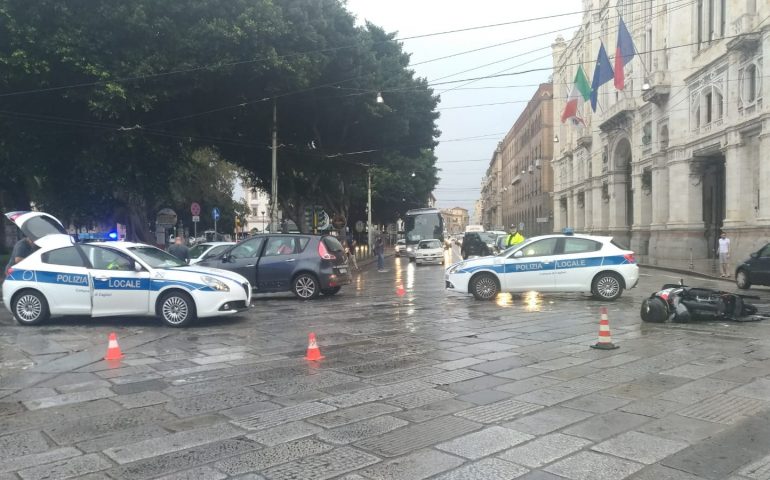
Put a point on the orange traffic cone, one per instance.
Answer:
(605, 339)
(113, 349)
(313, 352)
(400, 291)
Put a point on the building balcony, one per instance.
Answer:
(618, 115)
(657, 88)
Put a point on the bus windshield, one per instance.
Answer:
(424, 226)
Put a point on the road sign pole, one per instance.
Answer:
(195, 229)
(274, 180)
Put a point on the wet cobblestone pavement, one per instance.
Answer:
(425, 385)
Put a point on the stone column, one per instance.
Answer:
(589, 221)
(558, 214)
(617, 204)
(764, 173)
(685, 196)
(736, 182)
(579, 217)
(660, 195)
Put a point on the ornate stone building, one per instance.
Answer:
(491, 193)
(455, 220)
(683, 152)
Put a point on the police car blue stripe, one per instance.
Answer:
(563, 264)
(113, 283)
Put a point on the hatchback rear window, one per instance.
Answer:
(332, 244)
(68, 256)
(618, 244)
(40, 226)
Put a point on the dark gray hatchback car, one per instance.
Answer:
(307, 265)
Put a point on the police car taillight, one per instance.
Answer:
(630, 258)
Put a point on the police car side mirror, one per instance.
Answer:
(518, 254)
(138, 267)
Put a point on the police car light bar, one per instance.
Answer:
(568, 231)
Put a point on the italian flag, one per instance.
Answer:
(580, 92)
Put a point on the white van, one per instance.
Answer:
(474, 228)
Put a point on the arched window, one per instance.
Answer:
(750, 84)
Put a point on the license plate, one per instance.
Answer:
(343, 270)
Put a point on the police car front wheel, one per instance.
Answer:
(484, 286)
(177, 309)
(607, 286)
(30, 307)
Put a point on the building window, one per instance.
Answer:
(750, 84)
(711, 20)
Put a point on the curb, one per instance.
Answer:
(691, 273)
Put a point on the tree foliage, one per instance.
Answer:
(169, 84)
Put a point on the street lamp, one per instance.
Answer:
(263, 221)
(379, 98)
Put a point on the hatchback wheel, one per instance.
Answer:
(607, 286)
(484, 287)
(742, 280)
(30, 308)
(306, 286)
(177, 309)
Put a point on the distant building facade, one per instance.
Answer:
(525, 170)
(683, 151)
(491, 192)
(455, 220)
(259, 205)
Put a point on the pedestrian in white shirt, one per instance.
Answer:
(723, 250)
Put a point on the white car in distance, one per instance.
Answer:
(429, 251)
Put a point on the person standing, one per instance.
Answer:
(379, 250)
(352, 252)
(723, 251)
(21, 250)
(514, 237)
(180, 250)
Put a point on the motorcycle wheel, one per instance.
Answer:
(654, 310)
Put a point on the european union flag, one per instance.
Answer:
(602, 74)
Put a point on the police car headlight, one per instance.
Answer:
(454, 268)
(215, 284)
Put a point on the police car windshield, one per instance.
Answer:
(508, 250)
(156, 258)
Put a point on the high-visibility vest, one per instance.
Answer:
(514, 239)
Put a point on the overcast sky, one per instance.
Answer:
(464, 162)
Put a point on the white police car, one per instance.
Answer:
(64, 277)
(550, 263)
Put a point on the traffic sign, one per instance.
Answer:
(359, 226)
(215, 213)
(196, 219)
(195, 209)
(339, 221)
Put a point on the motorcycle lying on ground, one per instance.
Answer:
(681, 304)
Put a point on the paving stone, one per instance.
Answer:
(676, 427)
(77, 430)
(652, 407)
(10, 408)
(213, 386)
(484, 397)
(191, 423)
(640, 447)
(759, 470)
(596, 403)
(138, 378)
(417, 466)
(139, 387)
(323, 466)
(261, 460)
(284, 433)
(200, 473)
(544, 450)
(759, 389)
(527, 385)
(143, 399)
(302, 397)
(122, 437)
(487, 469)
(171, 443)
(228, 357)
(451, 377)
(273, 418)
(360, 430)
(724, 409)
(183, 460)
(484, 442)
(540, 475)
(289, 386)
(547, 421)
(110, 373)
(186, 407)
(702, 368)
(476, 384)
(496, 355)
(250, 409)
(433, 410)
(418, 399)
(83, 386)
(519, 373)
(504, 364)
(460, 363)
(593, 466)
(377, 393)
(499, 412)
(414, 437)
(68, 398)
(400, 376)
(697, 390)
(69, 468)
(21, 444)
(606, 425)
(353, 414)
(35, 459)
(387, 366)
(659, 472)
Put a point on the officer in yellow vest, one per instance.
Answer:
(514, 237)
